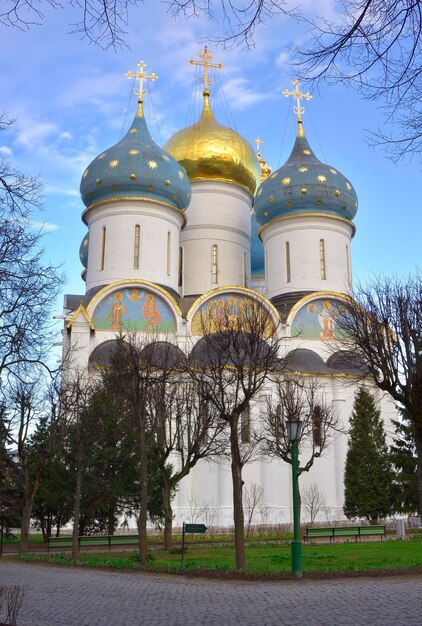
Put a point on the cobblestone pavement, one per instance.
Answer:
(57, 596)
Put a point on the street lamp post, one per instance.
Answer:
(294, 428)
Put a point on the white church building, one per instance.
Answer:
(202, 222)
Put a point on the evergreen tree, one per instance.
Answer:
(405, 461)
(368, 474)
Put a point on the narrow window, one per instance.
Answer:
(181, 260)
(245, 427)
(266, 270)
(349, 278)
(168, 253)
(214, 261)
(245, 270)
(103, 246)
(136, 247)
(322, 259)
(288, 276)
(316, 426)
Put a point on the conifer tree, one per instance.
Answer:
(405, 464)
(368, 474)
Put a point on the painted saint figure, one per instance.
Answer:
(327, 321)
(151, 313)
(117, 311)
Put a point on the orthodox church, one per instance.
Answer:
(203, 222)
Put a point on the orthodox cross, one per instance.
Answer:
(258, 142)
(142, 76)
(299, 110)
(206, 55)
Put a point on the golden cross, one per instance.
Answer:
(298, 95)
(207, 56)
(142, 76)
(258, 142)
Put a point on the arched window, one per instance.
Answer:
(287, 252)
(322, 259)
(349, 275)
(214, 264)
(136, 247)
(181, 268)
(245, 270)
(168, 253)
(103, 248)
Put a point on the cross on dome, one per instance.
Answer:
(298, 109)
(142, 77)
(206, 55)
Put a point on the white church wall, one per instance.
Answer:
(158, 252)
(219, 214)
(304, 234)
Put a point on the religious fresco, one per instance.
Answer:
(229, 311)
(319, 320)
(134, 309)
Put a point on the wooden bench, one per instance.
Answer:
(93, 540)
(344, 531)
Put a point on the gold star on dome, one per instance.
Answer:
(167, 183)
(133, 152)
(152, 165)
(85, 173)
(174, 197)
(286, 181)
(348, 185)
(114, 186)
(266, 213)
(337, 193)
(302, 169)
(98, 181)
(321, 178)
(103, 155)
(307, 152)
(133, 176)
(260, 192)
(271, 198)
(150, 187)
(85, 243)
(289, 204)
(181, 175)
(303, 190)
(133, 131)
(333, 171)
(165, 157)
(114, 163)
(318, 202)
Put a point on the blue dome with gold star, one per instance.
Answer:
(136, 168)
(83, 251)
(305, 185)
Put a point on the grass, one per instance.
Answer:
(266, 558)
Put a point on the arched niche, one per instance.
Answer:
(347, 362)
(306, 362)
(318, 319)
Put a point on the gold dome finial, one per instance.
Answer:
(206, 55)
(142, 77)
(298, 109)
(265, 168)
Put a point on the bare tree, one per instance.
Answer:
(29, 286)
(232, 362)
(384, 320)
(296, 398)
(375, 46)
(184, 428)
(38, 427)
(313, 501)
(254, 499)
(12, 597)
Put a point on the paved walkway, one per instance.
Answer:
(56, 596)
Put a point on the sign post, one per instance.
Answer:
(190, 528)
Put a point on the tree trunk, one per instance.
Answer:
(143, 496)
(418, 444)
(238, 515)
(111, 517)
(168, 514)
(26, 518)
(77, 511)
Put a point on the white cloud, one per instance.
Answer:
(45, 227)
(240, 95)
(5, 151)
(33, 134)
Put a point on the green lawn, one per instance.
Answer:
(266, 557)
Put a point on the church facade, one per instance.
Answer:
(203, 224)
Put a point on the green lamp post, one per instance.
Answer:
(294, 428)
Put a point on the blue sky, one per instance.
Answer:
(71, 102)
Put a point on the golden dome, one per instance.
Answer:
(210, 151)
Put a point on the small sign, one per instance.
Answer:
(195, 528)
